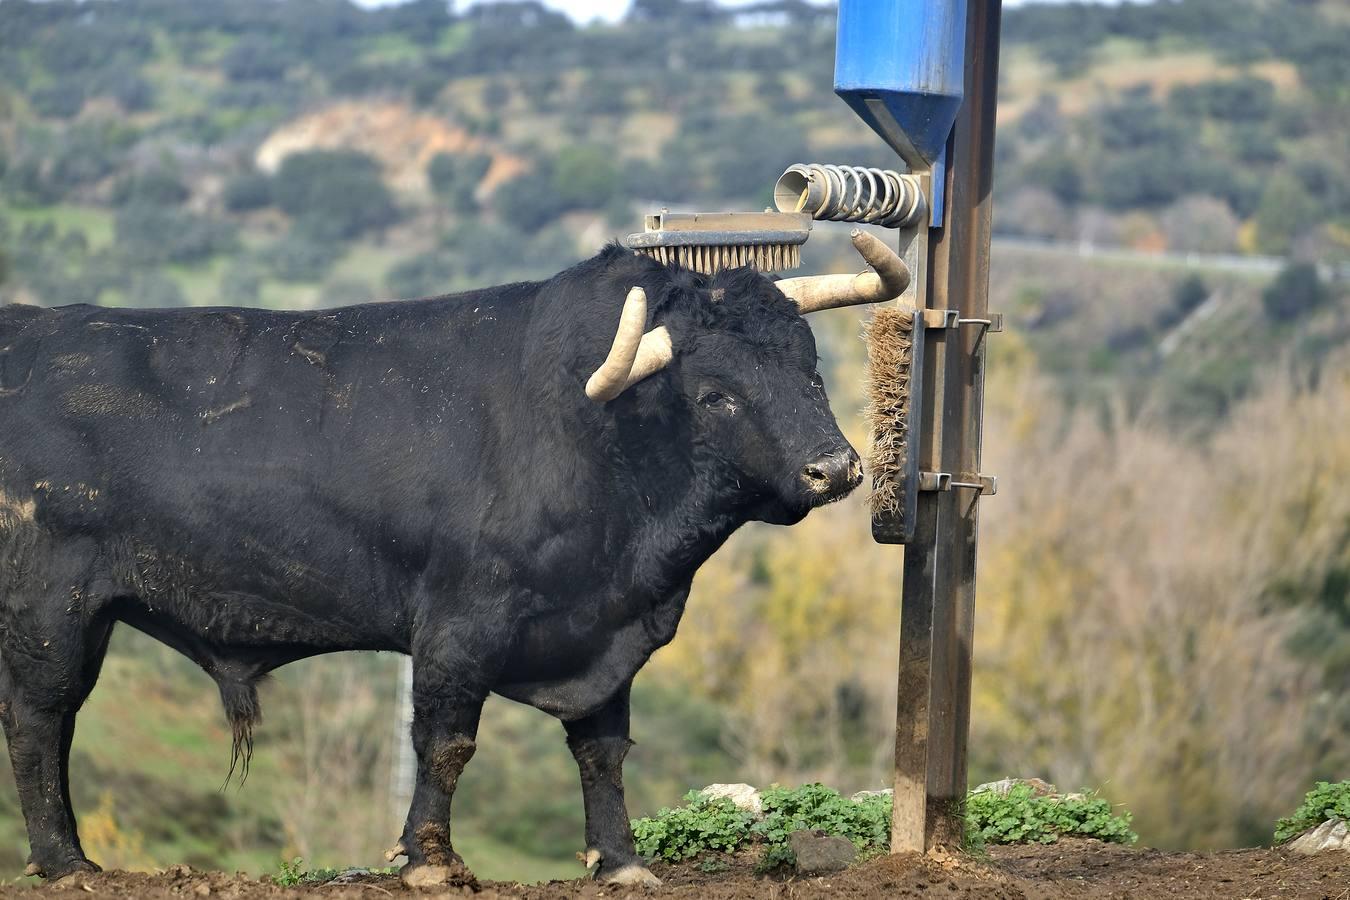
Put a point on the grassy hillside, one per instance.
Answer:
(310, 152)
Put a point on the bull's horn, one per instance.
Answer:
(887, 280)
(633, 356)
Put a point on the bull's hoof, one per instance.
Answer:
(57, 871)
(632, 875)
(420, 875)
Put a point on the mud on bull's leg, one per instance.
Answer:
(599, 744)
(443, 735)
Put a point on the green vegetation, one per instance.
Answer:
(1323, 802)
(294, 873)
(705, 825)
(1021, 817)
(867, 823)
(700, 826)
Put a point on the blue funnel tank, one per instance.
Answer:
(899, 65)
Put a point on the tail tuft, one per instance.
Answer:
(242, 711)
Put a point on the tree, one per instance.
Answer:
(585, 177)
(1200, 224)
(1297, 290)
(157, 187)
(61, 100)
(338, 192)
(302, 255)
(146, 233)
(1285, 212)
(248, 191)
(256, 58)
(456, 177)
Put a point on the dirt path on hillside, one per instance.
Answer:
(1069, 869)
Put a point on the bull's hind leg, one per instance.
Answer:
(43, 684)
(445, 723)
(599, 744)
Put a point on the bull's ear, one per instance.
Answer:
(634, 355)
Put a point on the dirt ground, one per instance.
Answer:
(1069, 869)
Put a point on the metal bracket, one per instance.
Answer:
(951, 318)
(935, 481)
(987, 485)
(941, 318)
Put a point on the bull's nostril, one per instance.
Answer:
(815, 473)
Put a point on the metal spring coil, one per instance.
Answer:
(850, 194)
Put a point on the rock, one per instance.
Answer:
(818, 853)
(1038, 787)
(1333, 834)
(742, 796)
(868, 795)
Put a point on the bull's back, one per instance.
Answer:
(235, 459)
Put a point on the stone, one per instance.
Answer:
(1333, 834)
(818, 853)
(868, 795)
(1038, 787)
(742, 796)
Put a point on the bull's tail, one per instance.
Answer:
(242, 711)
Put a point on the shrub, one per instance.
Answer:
(1021, 817)
(1325, 801)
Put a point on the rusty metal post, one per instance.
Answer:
(938, 605)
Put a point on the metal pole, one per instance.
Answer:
(938, 605)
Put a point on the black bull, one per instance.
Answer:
(427, 477)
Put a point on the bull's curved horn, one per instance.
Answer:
(633, 356)
(887, 280)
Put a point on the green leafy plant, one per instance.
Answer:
(684, 832)
(289, 874)
(1328, 800)
(1022, 817)
(867, 823)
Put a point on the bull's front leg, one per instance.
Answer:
(599, 744)
(446, 711)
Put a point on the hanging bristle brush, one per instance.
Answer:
(711, 242)
(894, 338)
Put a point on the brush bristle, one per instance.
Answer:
(714, 258)
(890, 353)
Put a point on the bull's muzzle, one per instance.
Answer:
(832, 475)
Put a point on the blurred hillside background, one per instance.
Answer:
(1164, 606)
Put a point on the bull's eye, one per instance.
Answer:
(715, 400)
(816, 380)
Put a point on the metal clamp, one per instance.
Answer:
(987, 485)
